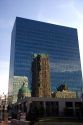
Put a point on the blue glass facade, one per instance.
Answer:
(59, 42)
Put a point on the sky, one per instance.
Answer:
(61, 12)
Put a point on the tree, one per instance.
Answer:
(62, 87)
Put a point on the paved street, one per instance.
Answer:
(4, 123)
(19, 122)
(58, 123)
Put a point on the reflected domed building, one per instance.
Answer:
(16, 86)
(24, 91)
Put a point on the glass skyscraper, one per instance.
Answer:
(60, 43)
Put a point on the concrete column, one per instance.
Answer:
(5, 116)
(61, 108)
(44, 104)
(22, 107)
(28, 103)
(74, 109)
(0, 114)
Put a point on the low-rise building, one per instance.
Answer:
(65, 94)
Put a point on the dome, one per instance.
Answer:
(23, 91)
